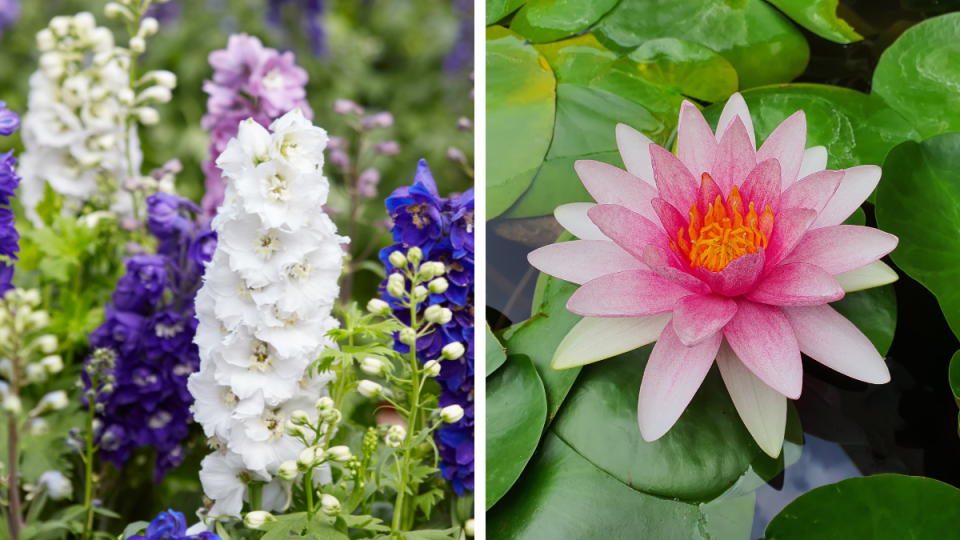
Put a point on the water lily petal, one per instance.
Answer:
(814, 160)
(574, 219)
(762, 409)
(635, 151)
(670, 380)
(630, 230)
(762, 186)
(696, 318)
(857, 184)
(842, 248)
(584, 260)
(626, 294)
(736, 106)
(674, 182)
(797, 284)
(709, 190)
(829, 338)
(696, 144)
(788, 230)
(785, 145)
(736, 157)
(669, 217)
(594, 339)
(764, 341)
(666, 264)
(737, 278)
(611, 185)
(812, 192)
(872, 275)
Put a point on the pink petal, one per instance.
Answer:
(764, 341)
(696, 145)
(626, 294)
(762, 186)
(735, 157)
(814, 160)
(812, 192)
(666, 264)
(670, 380)
(594, 339)
(573, 217)
(857, 184)
(785, 145)
(737, 278)
(762, 409)
(736, 106)
(788, 229)
(629, 230)
(829, 338)
(669, 217)
(635, 151)
(709, 191)
(697, 318)
(610, 185)
(842, 248)
(796, 284)
(584, 260)
(674, 182)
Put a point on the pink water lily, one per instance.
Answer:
(721, 252)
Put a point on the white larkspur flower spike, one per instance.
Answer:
(265, 308)
(723, 252)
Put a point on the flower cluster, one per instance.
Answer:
(265, 306)
(9, 237)
(171, 525)
(460, 55)
(80, 130)
(443, 230)
(310, 14)
(249, 81)
(150, 327)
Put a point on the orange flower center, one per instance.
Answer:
(723, 233)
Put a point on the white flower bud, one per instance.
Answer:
(439, 286)
(39, 427)
(126, 96)
(253, 520)
(48, 343)
(330, 505)
(378, 307)
(84, 23)
(408, 336)
(137, 45)
(40, 319)
(340, 454)
(451, 414)
(308, 457)
(299, 418)
(371, 366)
(147, 116)
(60, 25)
(12, 404)
(396, 285)
(148, 27)
(51, 63)
(31, 297)
(288, 470)
(432, 368)
(292, 429)
(414, 255)
(369, 389)
(114, 10)
(162, 77)
(469, 527)
(432, 269)
(54, 401)
(56, 485)
(397, 259)
(156, 94)
(453, 351)
(325, 403)
(420, 293)
(395, 436)
(438, 314)
(52, 364)
(35, 373)
(46, 41)
(102, 41)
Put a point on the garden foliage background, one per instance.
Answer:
(374, 52)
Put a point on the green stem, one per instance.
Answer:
(88, 478)
(411, 424)
(308, 487)
(256, 496)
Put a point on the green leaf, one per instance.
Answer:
(874, 312)
(427, 500)
(445, 534)
(577, 60)
(955, 376)
(562, 495)
(917, 201)
(136, 527)
(496, 355)
(701, 456)
(369, 523)
(690, 69)
(520, 109)
(498, 9)
(882, 507)
(919, 74)
(541, 21)
(516, 411)
(819, 17)
(284, 526)
(856, 129)
(762, 44)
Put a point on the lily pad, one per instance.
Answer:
(701, 456)
(521, 90)
(819, 17)
(498, 9)
(955, 376)
(856, 128)
(541, 21)
(577, 60)
(874, 312)
(761, 43)
(690, 69)
(516, 410)
(917, 201)
(496, 355)
(919, 75)
(882, 507)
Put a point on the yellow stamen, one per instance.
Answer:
(722, 234)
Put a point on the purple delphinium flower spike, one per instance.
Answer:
(9, 181)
